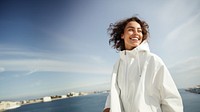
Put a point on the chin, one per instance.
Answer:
(135, 45)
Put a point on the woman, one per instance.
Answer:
(140, 80)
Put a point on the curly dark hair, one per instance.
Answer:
(116, 30)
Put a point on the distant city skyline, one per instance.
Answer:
(53, 47)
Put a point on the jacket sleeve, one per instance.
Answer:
(107, 104)
(170, 98)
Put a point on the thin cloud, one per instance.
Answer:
(177, 11)
(183, 41)
(189, 63)
(53, 66)
(185, 33)
(27, 73)
(45, 61)
(31, 72)
(2, 69)
(186, 73)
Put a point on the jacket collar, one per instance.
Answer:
(143, 47)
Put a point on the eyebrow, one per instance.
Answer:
(133, 27)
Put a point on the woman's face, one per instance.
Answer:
(132, 35)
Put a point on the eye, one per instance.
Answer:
(130, 29)
(140, 31)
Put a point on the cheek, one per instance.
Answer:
(141, 36)
(129, 33)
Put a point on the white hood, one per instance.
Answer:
(143, 47)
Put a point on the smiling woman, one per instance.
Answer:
(139, 73)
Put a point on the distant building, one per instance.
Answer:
(83, 93)
(74, 94)
(63, 96)
(46, 99)
(6, 105)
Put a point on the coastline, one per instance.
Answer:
(195, 89)
(7, 105)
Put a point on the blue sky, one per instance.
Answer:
(50, 47)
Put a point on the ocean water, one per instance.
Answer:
(191, 101)
(95, 103)
(88, 103)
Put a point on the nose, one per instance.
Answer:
(135, 32)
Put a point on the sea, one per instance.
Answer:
(95, 103)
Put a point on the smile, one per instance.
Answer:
(134, 38)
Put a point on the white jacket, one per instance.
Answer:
(142, 83)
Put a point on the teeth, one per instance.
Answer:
(134, 39)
